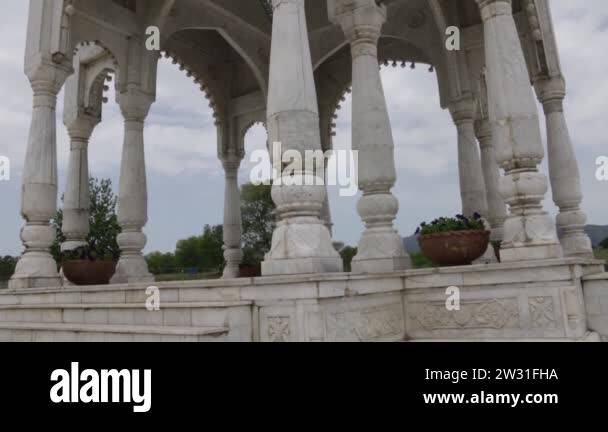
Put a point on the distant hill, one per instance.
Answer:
(597, 233)
(411, 244)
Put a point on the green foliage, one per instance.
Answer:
(205, 253)
(420, 261)
(201, 252)
(257, 212)
(103, 224)
(161, 263)
(458, 223)
(602, 254)
(604, 243)
(347, 253)
(7, 267)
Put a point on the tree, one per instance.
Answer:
(103, 222)
(7, 267)
(202, 252)
(258, 216)
(604, 243)
(212, 243)
(347, 253)
(161, 263)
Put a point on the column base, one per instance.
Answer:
(301, 266)
(381, 251)
(132, 269)
(231, 272)
(577, 245)
(532, 252)
(301, 247)
(35, 270)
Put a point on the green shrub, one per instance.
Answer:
(445, 224)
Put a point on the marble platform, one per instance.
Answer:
(553, 300)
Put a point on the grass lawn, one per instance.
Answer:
(602, 254)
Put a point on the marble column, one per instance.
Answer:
(529, 232)
(563, 170)
(133, 194)
(233, 253)
(76, 204)
(472, 183)
(381, 247)
(36, 267)
(326, 213)
(497, 210)
(301, 243)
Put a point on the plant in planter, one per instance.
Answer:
(91, 263)
(453, 241)
(87, 266)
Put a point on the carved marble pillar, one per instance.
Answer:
(563, 170)
(472, 183)
(326, 214)
(381, 247)
(233, 253)
(36, 267)
(300, 243)
(529, 232)
(497, 210)
(133, 195)
(76, 204)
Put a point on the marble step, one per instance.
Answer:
(118, 294)
(72, 332)
(186, 314)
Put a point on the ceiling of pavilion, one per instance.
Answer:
(259, 12)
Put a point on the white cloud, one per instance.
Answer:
(181, 146)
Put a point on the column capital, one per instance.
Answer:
(81, 127)
(361, 20)
(483, 132)
(463, 110)
(134, 104)
(47, 76)
(46, 80)
(551, 93)
(231, 163)
(492, 8)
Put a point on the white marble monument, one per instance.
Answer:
(288, 64)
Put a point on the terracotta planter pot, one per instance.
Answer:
(86, 272)
(454, 248)
(250, 271)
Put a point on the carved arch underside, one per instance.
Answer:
(93, 67)
(213, 62)
(333, 78)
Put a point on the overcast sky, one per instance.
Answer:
(185, 179)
